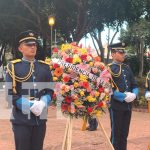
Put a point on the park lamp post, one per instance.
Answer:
(51, 22)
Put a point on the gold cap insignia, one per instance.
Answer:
(31, 34)
(123, 44)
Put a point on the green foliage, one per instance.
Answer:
(74, 19)
(133, 62)
(141, 101)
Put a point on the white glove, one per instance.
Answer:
(147, 96)
(37, 107)
(130, 97)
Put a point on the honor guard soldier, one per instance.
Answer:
(147, 93)
(125, 91)
(28, 126)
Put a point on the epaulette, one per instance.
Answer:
(15, 61)
(126, 64)
(43, 62)
(148, 74)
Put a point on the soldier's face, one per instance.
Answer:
(28, 50)
(119, 57)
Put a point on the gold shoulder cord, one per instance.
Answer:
(115, 75)
(43, 62)
(19, 79)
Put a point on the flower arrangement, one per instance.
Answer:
(85, 85)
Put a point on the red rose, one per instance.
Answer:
(55, 50)
(89, 109)
(85, 85)
(102, 67)
(55, 66)
(64, 107)
(54, 96)
(66, 78)
(69, 60)
(68, 99)
(100, 104)
(84, 57)
(101, 90)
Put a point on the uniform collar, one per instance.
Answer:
(117, 63)
(25, 60)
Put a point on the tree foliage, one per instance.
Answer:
(74, 18)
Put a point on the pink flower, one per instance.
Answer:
(105, 75)
(84, 67)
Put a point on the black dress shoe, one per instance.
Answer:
(92, 129)
(87, 128)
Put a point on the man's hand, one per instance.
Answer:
(147, 95)
(37, 107)
(130, 97)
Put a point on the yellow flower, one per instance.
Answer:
(51, 67)
(62, 92)
(77, 102)
(91, 99)
(55, 78)
(47, 60)
(76, 59)
(83, 51)
(91, 64)
(83, 78)
(98, 113)
(76, 84)
(106, 98)
(81, 93)
(65, 47)
(97, 93)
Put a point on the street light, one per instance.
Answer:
(51, 22)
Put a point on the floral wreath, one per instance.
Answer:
(85, 81)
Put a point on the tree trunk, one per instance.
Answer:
(141, 57)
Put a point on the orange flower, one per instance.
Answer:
(58, 72)
(97, 58)
(71, 109)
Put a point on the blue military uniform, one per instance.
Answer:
(93, 124)
(29, 129)
(120, 111)
(41, 73)
(147, 83)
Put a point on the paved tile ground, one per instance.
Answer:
(139, 136)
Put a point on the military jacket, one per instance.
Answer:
(147, 84)
(23, 72)
(122, 80)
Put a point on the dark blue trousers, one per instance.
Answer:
(120, 122)
(92, 123)
(29, 137)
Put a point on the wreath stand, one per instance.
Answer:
(68, 133)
